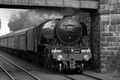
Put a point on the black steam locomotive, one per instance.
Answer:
(59, 44)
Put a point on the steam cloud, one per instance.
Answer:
(29, 18)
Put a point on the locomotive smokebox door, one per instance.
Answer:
(68, 31)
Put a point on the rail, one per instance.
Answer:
(17, 67)
(7, 72)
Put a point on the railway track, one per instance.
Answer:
(96, 78)
(5, 75)
(71, 76)
(74, 76)
(80, 77)
(15, 72)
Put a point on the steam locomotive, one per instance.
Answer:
(59, 44)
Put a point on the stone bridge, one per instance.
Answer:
(92, 4)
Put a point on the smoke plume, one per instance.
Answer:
(31, 17)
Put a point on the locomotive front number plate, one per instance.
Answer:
(70, 27)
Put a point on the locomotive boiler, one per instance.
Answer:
(59, 44)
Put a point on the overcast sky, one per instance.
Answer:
(5, 15)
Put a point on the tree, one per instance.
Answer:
(17, 22)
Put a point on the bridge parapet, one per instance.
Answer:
(89, 4)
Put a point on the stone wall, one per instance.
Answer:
(109, 32)
(95, 40)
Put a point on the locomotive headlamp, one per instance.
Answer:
(60, 57)
(72, 50)
(86, 57)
